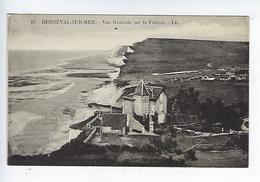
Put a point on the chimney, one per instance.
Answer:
(142, 86)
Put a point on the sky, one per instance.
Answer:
(23, 35)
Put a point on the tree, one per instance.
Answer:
(228, 116)
(187, 101)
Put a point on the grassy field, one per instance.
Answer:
(227, 158)
(135, 140)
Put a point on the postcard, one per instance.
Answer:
(128, 90)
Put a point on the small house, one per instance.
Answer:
(114, 123)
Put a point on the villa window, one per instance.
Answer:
(161, 107)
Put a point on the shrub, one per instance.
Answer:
(164, 143)
(190, 155)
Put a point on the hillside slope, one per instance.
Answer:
(166, 55)
(154, 55)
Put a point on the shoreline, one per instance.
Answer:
(59, 133)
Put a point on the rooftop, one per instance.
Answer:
(114, 120)
(142, 89)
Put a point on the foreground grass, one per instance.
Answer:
(224, 151)
(78, 153)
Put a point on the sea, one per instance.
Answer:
(50, 90)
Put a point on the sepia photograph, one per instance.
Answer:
(128, 90)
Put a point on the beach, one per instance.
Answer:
(43, 103)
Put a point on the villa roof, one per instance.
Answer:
(154, 92)
(148, 90)
(141, 89)
(128, 91)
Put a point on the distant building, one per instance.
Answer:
(206, 78)
(209, 65)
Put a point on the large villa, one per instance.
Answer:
(143, 105)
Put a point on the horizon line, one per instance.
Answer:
(168, 38)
